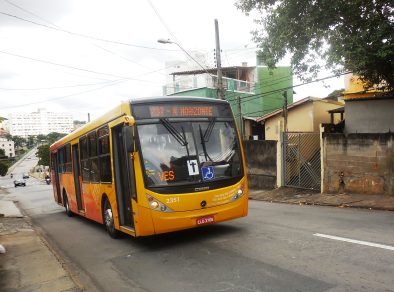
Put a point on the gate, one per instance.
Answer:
(301, 160)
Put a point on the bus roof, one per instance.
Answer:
(123, 109)
(155, 99)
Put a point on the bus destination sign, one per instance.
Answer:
(163, 111)
(181, 110)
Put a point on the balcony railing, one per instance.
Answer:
(184, 83)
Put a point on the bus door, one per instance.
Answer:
(55, 168)
(77, 175)
(124, 178)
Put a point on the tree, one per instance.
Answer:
(31, 140)
(18, 141)
(354, 36)
(54, 136)
(3, 168)
(43, 154)
(336, 93)
(41, 138)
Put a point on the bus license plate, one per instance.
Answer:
(205, 220)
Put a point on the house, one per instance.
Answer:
(8, 147)
(252, 91)
(360, 160)
(367, 111)
(305, 115)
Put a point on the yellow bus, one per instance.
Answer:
(153, 165)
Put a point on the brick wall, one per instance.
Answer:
(358, 163)
(261, 163)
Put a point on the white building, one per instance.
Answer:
(41, 122)
(8, 147)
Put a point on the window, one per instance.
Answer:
(83, 144)
(64, 154)
(68, 164)
(95, 156)
(92, 149)
(61, 159)
(104, 155)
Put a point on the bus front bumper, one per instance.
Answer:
(168, 222)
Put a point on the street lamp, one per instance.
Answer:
(168, 41)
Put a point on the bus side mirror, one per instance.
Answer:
(128, 138)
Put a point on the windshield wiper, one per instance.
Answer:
(180, 137)
(209, 129)
(174, 132)
(204, 147)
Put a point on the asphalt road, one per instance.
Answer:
(277, 247)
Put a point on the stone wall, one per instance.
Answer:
(261, 163)
(358, 163)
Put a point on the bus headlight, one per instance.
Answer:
(238, 194)
(157, 205)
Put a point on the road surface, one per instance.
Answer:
(277, 247)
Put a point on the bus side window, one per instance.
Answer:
(94, 162)
(104, 155)
(84, 159)
(61, 160)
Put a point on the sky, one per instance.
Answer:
(85, 56)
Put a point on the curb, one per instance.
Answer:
(343, 205)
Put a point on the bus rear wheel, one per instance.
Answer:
(109, 220)
(67, 206)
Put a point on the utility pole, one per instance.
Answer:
(218, 63)
(285, 110)
(241, 126)
(88, 117)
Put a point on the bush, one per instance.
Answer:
(3, 168)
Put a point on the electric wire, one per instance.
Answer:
(115, 82)
(94, 44)
(75, 68)
(84, 35)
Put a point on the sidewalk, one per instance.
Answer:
(28, 263)
(309, 197)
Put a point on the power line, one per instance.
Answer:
(56, 26)
(65, 96)
(55, 87)
(162, 20)
(252, 97)
(74, 68)
(83, 35)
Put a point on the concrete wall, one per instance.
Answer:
(369, 116)
(358, 163)
(261, 163)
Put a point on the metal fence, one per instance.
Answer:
(301, 160)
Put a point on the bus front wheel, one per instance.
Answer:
(109, 220)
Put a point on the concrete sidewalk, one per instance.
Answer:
(28, 264)
(308, 197)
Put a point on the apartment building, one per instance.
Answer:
(40, 122)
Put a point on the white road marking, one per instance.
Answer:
(355, 241)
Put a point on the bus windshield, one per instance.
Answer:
(177, 153)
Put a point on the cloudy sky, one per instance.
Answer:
(84, 56)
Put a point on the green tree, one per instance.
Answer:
(31, 140)
(2, 153)
(354, 36)
(41, 138)
(336, 93)
(43, 154)
(18, 141)
(3, 168)
(53, 137)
